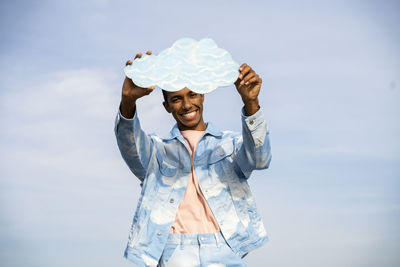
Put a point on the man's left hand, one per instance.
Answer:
(248, 85)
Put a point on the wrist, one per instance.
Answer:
(251, 106)
(127, 99)
(127, 107)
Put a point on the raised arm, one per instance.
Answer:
(134, 144)
(253, 150)
(131, 92)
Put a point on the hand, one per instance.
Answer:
(248, 85)
(130, 90)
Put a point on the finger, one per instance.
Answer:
(240, 70)
(149, 90)
(129, 62)
(248, 76)
(245, 69)
(242, 66)
(138, 55)
(252, 80)
(148, 52)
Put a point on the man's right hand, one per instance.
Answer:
(131, 92)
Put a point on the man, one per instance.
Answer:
(195, 208)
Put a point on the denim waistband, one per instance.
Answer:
(196, 239)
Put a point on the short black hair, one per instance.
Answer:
(165, 96)
(164, 93)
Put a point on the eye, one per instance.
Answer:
(193, 94)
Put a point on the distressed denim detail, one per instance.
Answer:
(223, 162)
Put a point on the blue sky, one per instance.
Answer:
(331, 95)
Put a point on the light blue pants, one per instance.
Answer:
(199, 250)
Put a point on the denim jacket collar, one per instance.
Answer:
(211, 129)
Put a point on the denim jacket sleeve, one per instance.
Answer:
(134, 144)
(253, 151)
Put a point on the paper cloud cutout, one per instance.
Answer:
(200, 66)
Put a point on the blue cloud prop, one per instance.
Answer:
(200, 66)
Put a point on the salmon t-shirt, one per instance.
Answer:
(194, 216)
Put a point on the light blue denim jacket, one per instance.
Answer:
(223, 162)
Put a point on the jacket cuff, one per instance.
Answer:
(254, 120)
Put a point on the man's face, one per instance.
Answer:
(187, 109)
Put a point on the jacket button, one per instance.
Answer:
(171, 200)
(251, 122)
(159, 233)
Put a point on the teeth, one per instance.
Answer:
(189, 114)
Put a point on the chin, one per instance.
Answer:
(190, 125)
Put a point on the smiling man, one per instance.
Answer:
(195, 208)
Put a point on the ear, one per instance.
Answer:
(202, 98)
(166, 106)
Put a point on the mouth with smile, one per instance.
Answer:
(188, 116)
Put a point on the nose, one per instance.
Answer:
(186, 103)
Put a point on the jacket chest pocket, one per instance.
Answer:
(220, 160)
(167, 177)
(166, 169)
